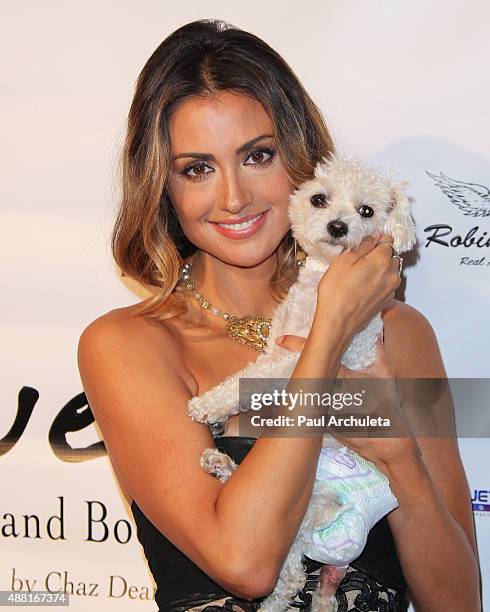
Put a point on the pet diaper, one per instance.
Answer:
(365, 497)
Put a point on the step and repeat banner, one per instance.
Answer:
(404, 85)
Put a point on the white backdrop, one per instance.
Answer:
(401, 83)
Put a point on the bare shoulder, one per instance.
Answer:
(124, 321)
(400, 313)
(120, 331)
(411, 343)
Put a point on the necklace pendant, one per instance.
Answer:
(250, 330)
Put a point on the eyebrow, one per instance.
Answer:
(209, 157)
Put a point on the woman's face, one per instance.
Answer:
(226, 168)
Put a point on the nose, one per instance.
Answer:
(337, 228)
(234, 193)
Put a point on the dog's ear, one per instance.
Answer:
(324, 166)
(400, 224)
(321, 169)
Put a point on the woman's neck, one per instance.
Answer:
(236, 290)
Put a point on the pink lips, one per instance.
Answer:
(244, 233)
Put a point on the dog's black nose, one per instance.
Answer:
(337, 228)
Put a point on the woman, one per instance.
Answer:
(219, 133)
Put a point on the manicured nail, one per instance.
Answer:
(279, 339)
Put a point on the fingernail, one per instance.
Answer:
(279, 339)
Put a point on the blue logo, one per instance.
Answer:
(480, 500)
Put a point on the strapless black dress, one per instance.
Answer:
(374, 582)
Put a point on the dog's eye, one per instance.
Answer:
(365, 211)
(319, 200)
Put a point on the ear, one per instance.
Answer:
(400, 224)
(323, 167)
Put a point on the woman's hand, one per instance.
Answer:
(383, 452)
(359, 283)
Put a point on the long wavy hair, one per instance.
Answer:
(201, 58)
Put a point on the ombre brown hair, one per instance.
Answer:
(202, 58)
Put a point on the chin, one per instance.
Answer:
(251, 261)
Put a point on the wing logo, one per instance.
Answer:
(472, 198)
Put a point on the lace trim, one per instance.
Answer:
(357, 592)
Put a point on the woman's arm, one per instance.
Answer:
(238, 532)
(433, 525)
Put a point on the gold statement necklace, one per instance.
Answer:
(251, 330)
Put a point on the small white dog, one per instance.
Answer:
(343, 203)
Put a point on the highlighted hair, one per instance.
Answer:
(201, 58)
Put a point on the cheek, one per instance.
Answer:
(189, 203)
(276, 191)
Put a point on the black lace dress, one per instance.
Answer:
(374, 582)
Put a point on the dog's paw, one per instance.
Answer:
(218, 464)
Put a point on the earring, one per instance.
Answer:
(298, 257)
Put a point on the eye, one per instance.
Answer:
(365, 211)
(261, 156)
(199, 170)
(319, 200)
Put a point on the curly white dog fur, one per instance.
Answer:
(343, 203)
